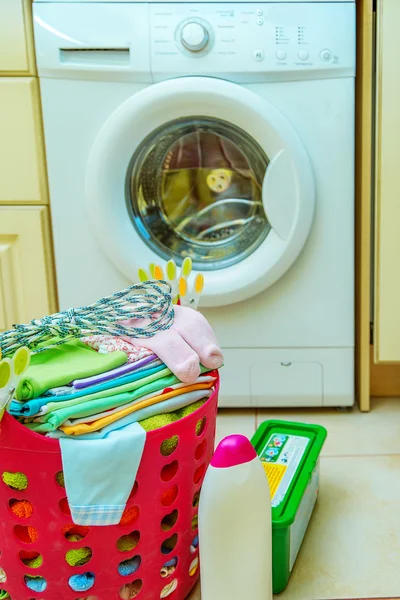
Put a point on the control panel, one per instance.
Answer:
(244, 42)
(250, 38)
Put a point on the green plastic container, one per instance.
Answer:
(290, 456)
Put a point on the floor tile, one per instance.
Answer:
(231, 421)
(352, 547)
(351, 432)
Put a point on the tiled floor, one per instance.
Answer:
(352, 547)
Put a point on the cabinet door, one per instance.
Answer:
(26, 272)
(16, 38)
(387, 198)
(22, 160)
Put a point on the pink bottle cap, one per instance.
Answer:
(233, 450)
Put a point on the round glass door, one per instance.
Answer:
(201, 167)
(194, 188)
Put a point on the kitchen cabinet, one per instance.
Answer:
(26, 286)
(387, 185)
(22, 159)
(16, 38)
(27, 281)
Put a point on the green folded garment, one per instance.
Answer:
(61, 365)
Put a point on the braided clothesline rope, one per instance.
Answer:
(146, 300)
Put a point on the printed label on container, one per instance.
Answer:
(280, 458)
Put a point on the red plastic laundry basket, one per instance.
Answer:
(162, 506)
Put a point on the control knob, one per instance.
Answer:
(194, 36)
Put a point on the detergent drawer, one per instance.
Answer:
(279, 383)
(287, 377)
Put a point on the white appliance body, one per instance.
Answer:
(113, 73)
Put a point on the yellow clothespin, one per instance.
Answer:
(11, 371)
(159, 273)
(172, 280)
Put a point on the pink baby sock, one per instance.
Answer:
(189, 341)
(197, 332)
(171, 348)
(174, 352)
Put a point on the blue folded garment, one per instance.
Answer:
(100, 473)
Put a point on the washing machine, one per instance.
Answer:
(223, 132)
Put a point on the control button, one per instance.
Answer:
(258, 55)
(281, 55)
(326, 55)
(303, 55)
(260, 21)
(259, 13)
(194, 37)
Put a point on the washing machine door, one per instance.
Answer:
(204, 168)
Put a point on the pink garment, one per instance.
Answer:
(109, 343)
(189, 342)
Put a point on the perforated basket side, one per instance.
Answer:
(161, 512)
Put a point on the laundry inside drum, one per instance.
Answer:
(195, 189)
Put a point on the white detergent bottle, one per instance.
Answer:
(235, 531)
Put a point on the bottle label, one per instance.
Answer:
(280, 458)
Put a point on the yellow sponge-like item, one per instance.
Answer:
(127, 542)
(15, 481)
(79, 557)
(168, 446)
(159, 421)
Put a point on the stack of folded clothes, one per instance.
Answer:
(72, 389)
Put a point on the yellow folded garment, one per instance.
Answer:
(82, 428)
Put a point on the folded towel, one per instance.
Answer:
(114, 374)
(113, 386)
(150, 361)
(89, 419)
(100, 473)
(96, 403)
(150, 418)
(62, 364)
(108, 388)
(135, 407)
